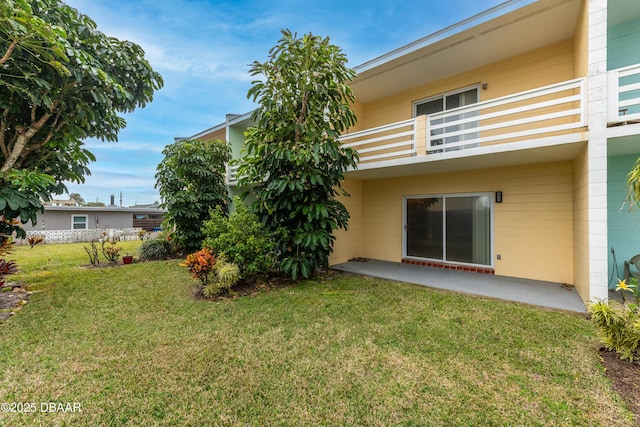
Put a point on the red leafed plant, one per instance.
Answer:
(34, 240)
(6, 267)
(200, 264)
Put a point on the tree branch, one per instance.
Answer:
(24, 138)
(3, 127)
(55, 127)
(9, 51)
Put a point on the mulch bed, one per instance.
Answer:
(249, 288)
(624, 377)
(12, 300)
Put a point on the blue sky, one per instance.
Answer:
(203, 49)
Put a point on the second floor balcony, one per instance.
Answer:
(544, 113)
(545, 116)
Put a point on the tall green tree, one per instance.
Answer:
(191, 181)
(294, 163)
(61, 81)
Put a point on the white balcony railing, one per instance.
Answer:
(543, 112)
(624, 95)
(232, 174)
(549, 111)
(384, 142)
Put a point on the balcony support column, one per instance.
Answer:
(597, 150)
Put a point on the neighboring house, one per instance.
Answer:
(104, 218)
(500, 144)
(57, 202)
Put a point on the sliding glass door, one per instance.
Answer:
(453, 228)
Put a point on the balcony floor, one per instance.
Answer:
(534, 292)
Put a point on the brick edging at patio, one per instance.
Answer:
(482, 270)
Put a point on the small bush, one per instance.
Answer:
(618, 328)
(6, 268)
(242, 238)
(92, 251)
(200, 264)
(205, 264)
(619, 324)
(227, 274)
(155, 249)
(110, 251)
(34, 240)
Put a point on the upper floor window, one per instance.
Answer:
(445, 102)
(449, 101)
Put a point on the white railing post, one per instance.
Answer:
(613, 109)
(583, 103)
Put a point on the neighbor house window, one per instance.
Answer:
(79, 222)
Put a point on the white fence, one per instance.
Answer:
(73, 236)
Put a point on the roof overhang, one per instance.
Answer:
(116, 209)
(468, 45)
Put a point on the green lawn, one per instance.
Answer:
(132, 346)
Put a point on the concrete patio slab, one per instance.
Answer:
(535, 292)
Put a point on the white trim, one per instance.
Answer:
(444, 196)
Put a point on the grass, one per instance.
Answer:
(133, 347)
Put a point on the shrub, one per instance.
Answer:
(92, 251)
(155, 249)
(34, 240)
(227, 274)
(6, 267)
(242, 238)
(111, 252)
(200, 264)
(619, 324)
(203, 264)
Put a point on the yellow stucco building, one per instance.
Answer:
(497, 145)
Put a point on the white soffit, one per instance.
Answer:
(531, 27)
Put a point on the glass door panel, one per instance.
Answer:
(460, 100)
(424, 227)
(468, 229)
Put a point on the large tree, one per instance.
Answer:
(191, 180)
(61, 81)
(294, 161)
